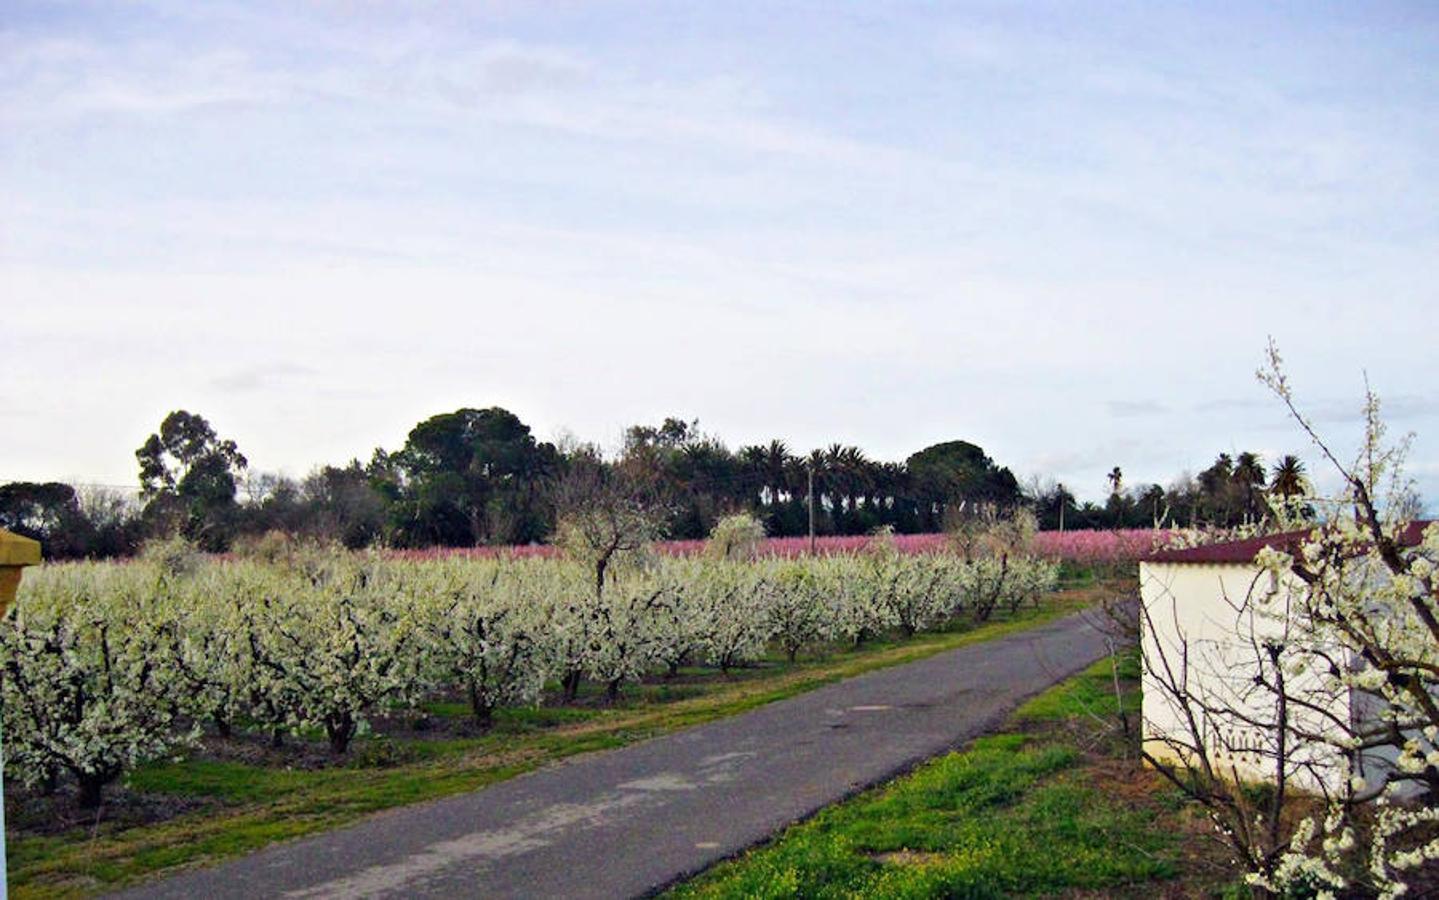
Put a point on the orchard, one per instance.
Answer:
(109, 665)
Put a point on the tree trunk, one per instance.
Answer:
(222, 725)
(601, 565)
(572, 685)
(612, 690)
(277, 738)
(91, 788)
(341, 730)
(483, 712)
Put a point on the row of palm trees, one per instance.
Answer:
(853, 493)
(844, 477)
(1234, 490)
(1239, 487)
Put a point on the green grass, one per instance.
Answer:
(1013, 814)
(245, 807)
(1090, 693)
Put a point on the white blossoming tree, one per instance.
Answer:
(480, 629)
(621, 640)
(332, 643)
(729, 613)
(1335, 669)
(103, 666)
(796, 611)
(88, 684)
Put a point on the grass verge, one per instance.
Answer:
(1056, 804)
(235, 807)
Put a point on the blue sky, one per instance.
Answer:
(1061, 231)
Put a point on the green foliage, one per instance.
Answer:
(49, 513)
(947, 476)
(470, 477)
(478, 476)
(188, 476)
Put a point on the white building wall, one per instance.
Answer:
(1197, 620)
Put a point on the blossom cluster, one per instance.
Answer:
(1368, 597)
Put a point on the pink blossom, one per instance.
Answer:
(1079, 546)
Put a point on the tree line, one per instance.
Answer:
(1234, 490)
(480, 477)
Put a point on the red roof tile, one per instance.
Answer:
(1244, 551)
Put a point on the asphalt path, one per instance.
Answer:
(625, 822)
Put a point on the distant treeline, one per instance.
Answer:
(478, 476)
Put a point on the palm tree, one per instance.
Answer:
(836, 480)
(1116, 480)
(1248, 477)
(1249, 469)
(1289, 478)
(778, 464)
(855, 467)
(752, 465)
(1216, 485)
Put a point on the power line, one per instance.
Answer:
(133, 488)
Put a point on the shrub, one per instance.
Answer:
(736, 537)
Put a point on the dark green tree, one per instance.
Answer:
(1290, 479)
(188, 478)
(1217, 502)
(1249, 477)
(952, 477)
(1151, 507)
(343, 504)
(49, 513)
(474, 476)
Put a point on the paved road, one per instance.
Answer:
(624, 822)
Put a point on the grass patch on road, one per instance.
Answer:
(233, 807)
(1056, 804)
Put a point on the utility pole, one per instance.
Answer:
(811, 509)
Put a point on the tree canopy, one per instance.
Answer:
(478, 476)
(473, 476)
(189, 476)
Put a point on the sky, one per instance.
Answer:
(1062, 231)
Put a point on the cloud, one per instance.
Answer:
(254, 378)
(74, 79)
(651, 212)
(1230, 404)
(63, 81)
(1136, 408)
(1396, 408)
